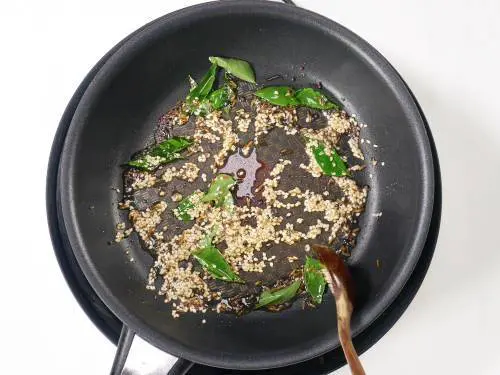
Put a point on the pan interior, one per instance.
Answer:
(147, 76)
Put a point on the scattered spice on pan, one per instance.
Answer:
(240, 183)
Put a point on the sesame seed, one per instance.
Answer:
(245, 230)
(176, 197)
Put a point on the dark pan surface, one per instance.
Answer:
(146, 76)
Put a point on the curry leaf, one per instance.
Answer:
(163, 153)
(314, 280)
(182, 210)
(331, 165)
(217, 99)
(220, 190)
(201, 90)
(278, 95)
(238, 68)
(222, 97)
(287, 97)
(278, 296)
(171, 146)
(311, 98)
(214, 263)
(150, 163)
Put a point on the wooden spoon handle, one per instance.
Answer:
(344, 311)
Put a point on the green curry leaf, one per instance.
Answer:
(150, 163)
(220, 190)
(278, 296)
(182, 210)
(200, 91)
(286, 96)
(331, 165)
(171, 146)
(311, 98)
(278, 95)
(163, 153)
(213, 261)
(222, 97)
(314, 280)
(238, 68)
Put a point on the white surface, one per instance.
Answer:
(447, 50)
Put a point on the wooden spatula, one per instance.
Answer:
(340, 283)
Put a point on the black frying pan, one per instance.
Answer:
(146, 76)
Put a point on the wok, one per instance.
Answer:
(147, 75)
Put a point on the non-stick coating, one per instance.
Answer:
(147, 75)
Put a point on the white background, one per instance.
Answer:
(447, 50)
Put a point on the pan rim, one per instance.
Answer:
(386, 71)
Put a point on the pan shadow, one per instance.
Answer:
(469, 157)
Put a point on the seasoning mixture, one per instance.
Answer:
(239, 184)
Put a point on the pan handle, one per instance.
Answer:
(134, 356)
